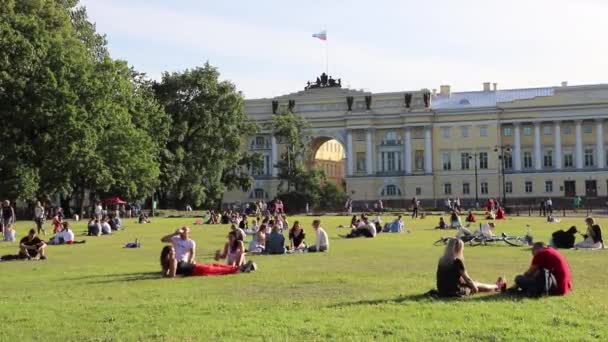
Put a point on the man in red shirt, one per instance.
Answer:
(549, 273)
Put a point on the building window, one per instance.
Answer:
(464, 160)
(549, 186)
(527, 160)
(466, 188)
(527, 130)
(391, 161)
(548, 159)
(391, 138)
(391, 190)
(464, 132)
(568, 160)
(507, 131)
(445, 132)
(483, 160)
(418, 133)
(508, 161)
(528, 187)
(566, 129)
(483, 131)
(418, 191)
(547, 130)
(446, 161)
(259, 194)
(509, 187)
(360, 161)
(259, 141)
(483, 187)
(360, 135)
(447, 189)
(587, 129)
(588, 157)
(419, 160)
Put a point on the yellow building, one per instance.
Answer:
(437, 145)
(330, 158)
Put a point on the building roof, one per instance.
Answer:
(477, 99)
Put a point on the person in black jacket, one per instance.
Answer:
(564, 239)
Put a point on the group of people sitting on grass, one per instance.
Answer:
(269, 238)
(104, 226)
(179, 258)
(362, 226)
(548, 274)
(592, 238)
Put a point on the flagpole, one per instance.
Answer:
(326, 55)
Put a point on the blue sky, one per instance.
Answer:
(266, 48)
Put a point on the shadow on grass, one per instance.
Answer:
(426, 297)
(119, 278)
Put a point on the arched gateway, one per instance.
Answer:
(444, 145)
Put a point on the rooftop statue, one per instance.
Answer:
(324, 81)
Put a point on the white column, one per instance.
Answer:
(557, 134)
(369, 153)
(275, 156)
(428, 151)
(349, 153)
(408, 150)
(579, 144)
(516, 147)
(538, 165)
(599, 144)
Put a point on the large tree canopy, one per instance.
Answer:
(203, 157)
(71, 117)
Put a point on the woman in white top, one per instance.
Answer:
(233, 252)
(258, 244)
(39, 218)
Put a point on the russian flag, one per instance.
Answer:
(321, 35)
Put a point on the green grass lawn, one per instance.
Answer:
(363, 289)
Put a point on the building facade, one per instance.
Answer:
(523, 144)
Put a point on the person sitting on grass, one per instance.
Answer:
(65, 236)
(275, 243)
(593, 237)
(106, 229)
(57, 223)
(548, 274)
(365, 229)
(452, 277)
(240, 233)
(354, 222)
(500, 213)
(94, 228)
(10, 234)
(490, 215)
(143, 218)
(296, 238)
(233, 251)
(185, 248)
(31, 247)
(442, 224)
(322, 242)
(455, 222)
(470, 217)
(564, 239)
(258, 244)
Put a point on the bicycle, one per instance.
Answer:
(477, 239)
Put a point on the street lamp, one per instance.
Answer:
(474, 156)
(503, 152)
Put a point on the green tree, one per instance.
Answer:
(203, 157)
(72, 118)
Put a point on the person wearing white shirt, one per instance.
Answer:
(322, 242)
(185, 249)
(65, 236)
(99, 211)
(106, 229)
(39, 218)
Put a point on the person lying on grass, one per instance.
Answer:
(452, 277)
(168, 265)
(593, 237)
(65, 236)
(548, 274)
